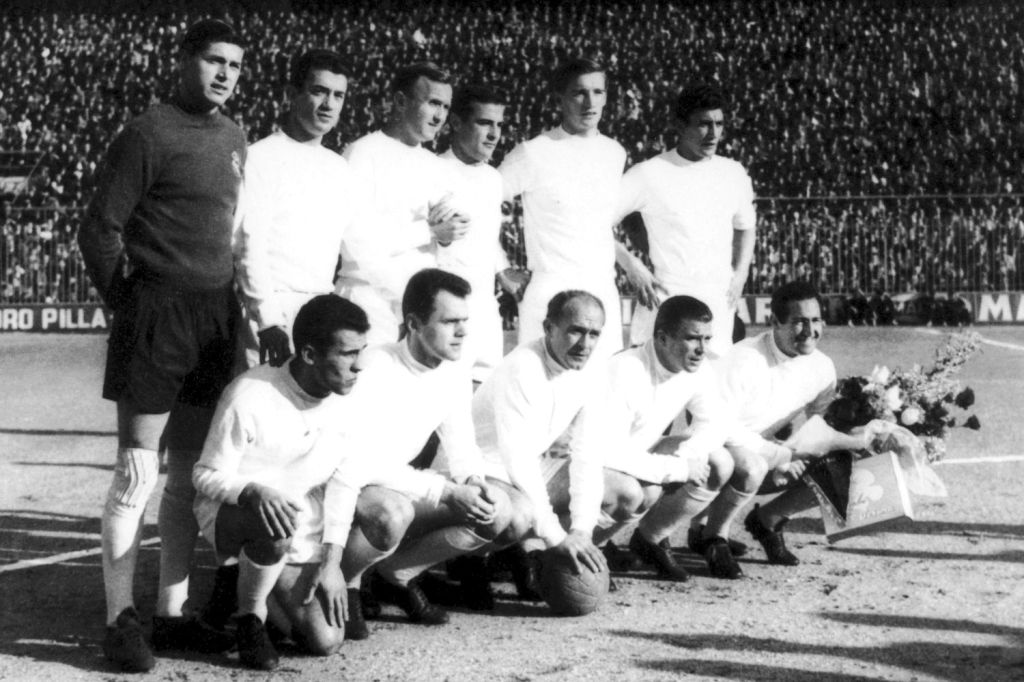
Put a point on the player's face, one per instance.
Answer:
(440, 337)
(208, 77)
(802, 329)
(700, 134)
(316, 106)
(424, 110)
(684, 351)
(337, 368)
(573, 338)
(582, 103)
(476, 137)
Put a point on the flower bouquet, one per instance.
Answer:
(904, 418)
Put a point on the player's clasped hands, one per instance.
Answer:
(582, 552)
(278, 513)
(446, 223)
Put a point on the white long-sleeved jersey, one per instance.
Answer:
(381, 253)
(528, 402)
(643, 400)
(403, 401)
(766, 389)
(477, 258)
(300, 201)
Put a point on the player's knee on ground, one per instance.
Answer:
(309, 626)
(749, 470)
(623, 495)
(721, 463)
(135, 477)
(384, 516)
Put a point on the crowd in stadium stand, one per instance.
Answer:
(830, 100)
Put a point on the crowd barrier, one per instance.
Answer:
(1006, 307)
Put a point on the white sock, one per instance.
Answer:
(360, 555)
(673, 510)
(255, 583)
(423, 552)
(724, 509)
(135, 477)
(178, 533)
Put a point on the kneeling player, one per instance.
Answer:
(276, 440)
(529, 402)
(407, 520)
(665, 482)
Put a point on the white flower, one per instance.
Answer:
(879, 375)
(892, 398)
(912, 415)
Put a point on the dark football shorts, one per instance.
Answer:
(168, 347)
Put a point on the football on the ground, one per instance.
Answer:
(569, 593)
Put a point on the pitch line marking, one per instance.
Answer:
(974, 460)
(66, 556)
(997, 344)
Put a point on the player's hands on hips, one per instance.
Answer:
(732, 296)
(513, 281)
(700, 469)
(277, 512)
(275, 347)
(582, 552)
(329, 585)
(469, 502)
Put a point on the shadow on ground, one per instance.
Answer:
(55, 612)
(939, 659)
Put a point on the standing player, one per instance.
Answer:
(273, 445)
(649, 386)
(300, 199)
(409, 191)
(569, 178)
(157, 244)
(538, 392)
(477, 118)
(409, 389)
(699, 214)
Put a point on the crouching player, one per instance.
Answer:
(664, 482)
(530, 400)
(276, 440)
(407, 520)
(771, 382)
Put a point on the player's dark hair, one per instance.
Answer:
(317, 60)
(571, 69)
(322, 316)
(699, 97)
(406, 76)
(677, 309)
(202, 34)
(789, 292)
(474, 93)
(423, 287)
(560, 303)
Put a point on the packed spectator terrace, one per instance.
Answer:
(913, 104)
